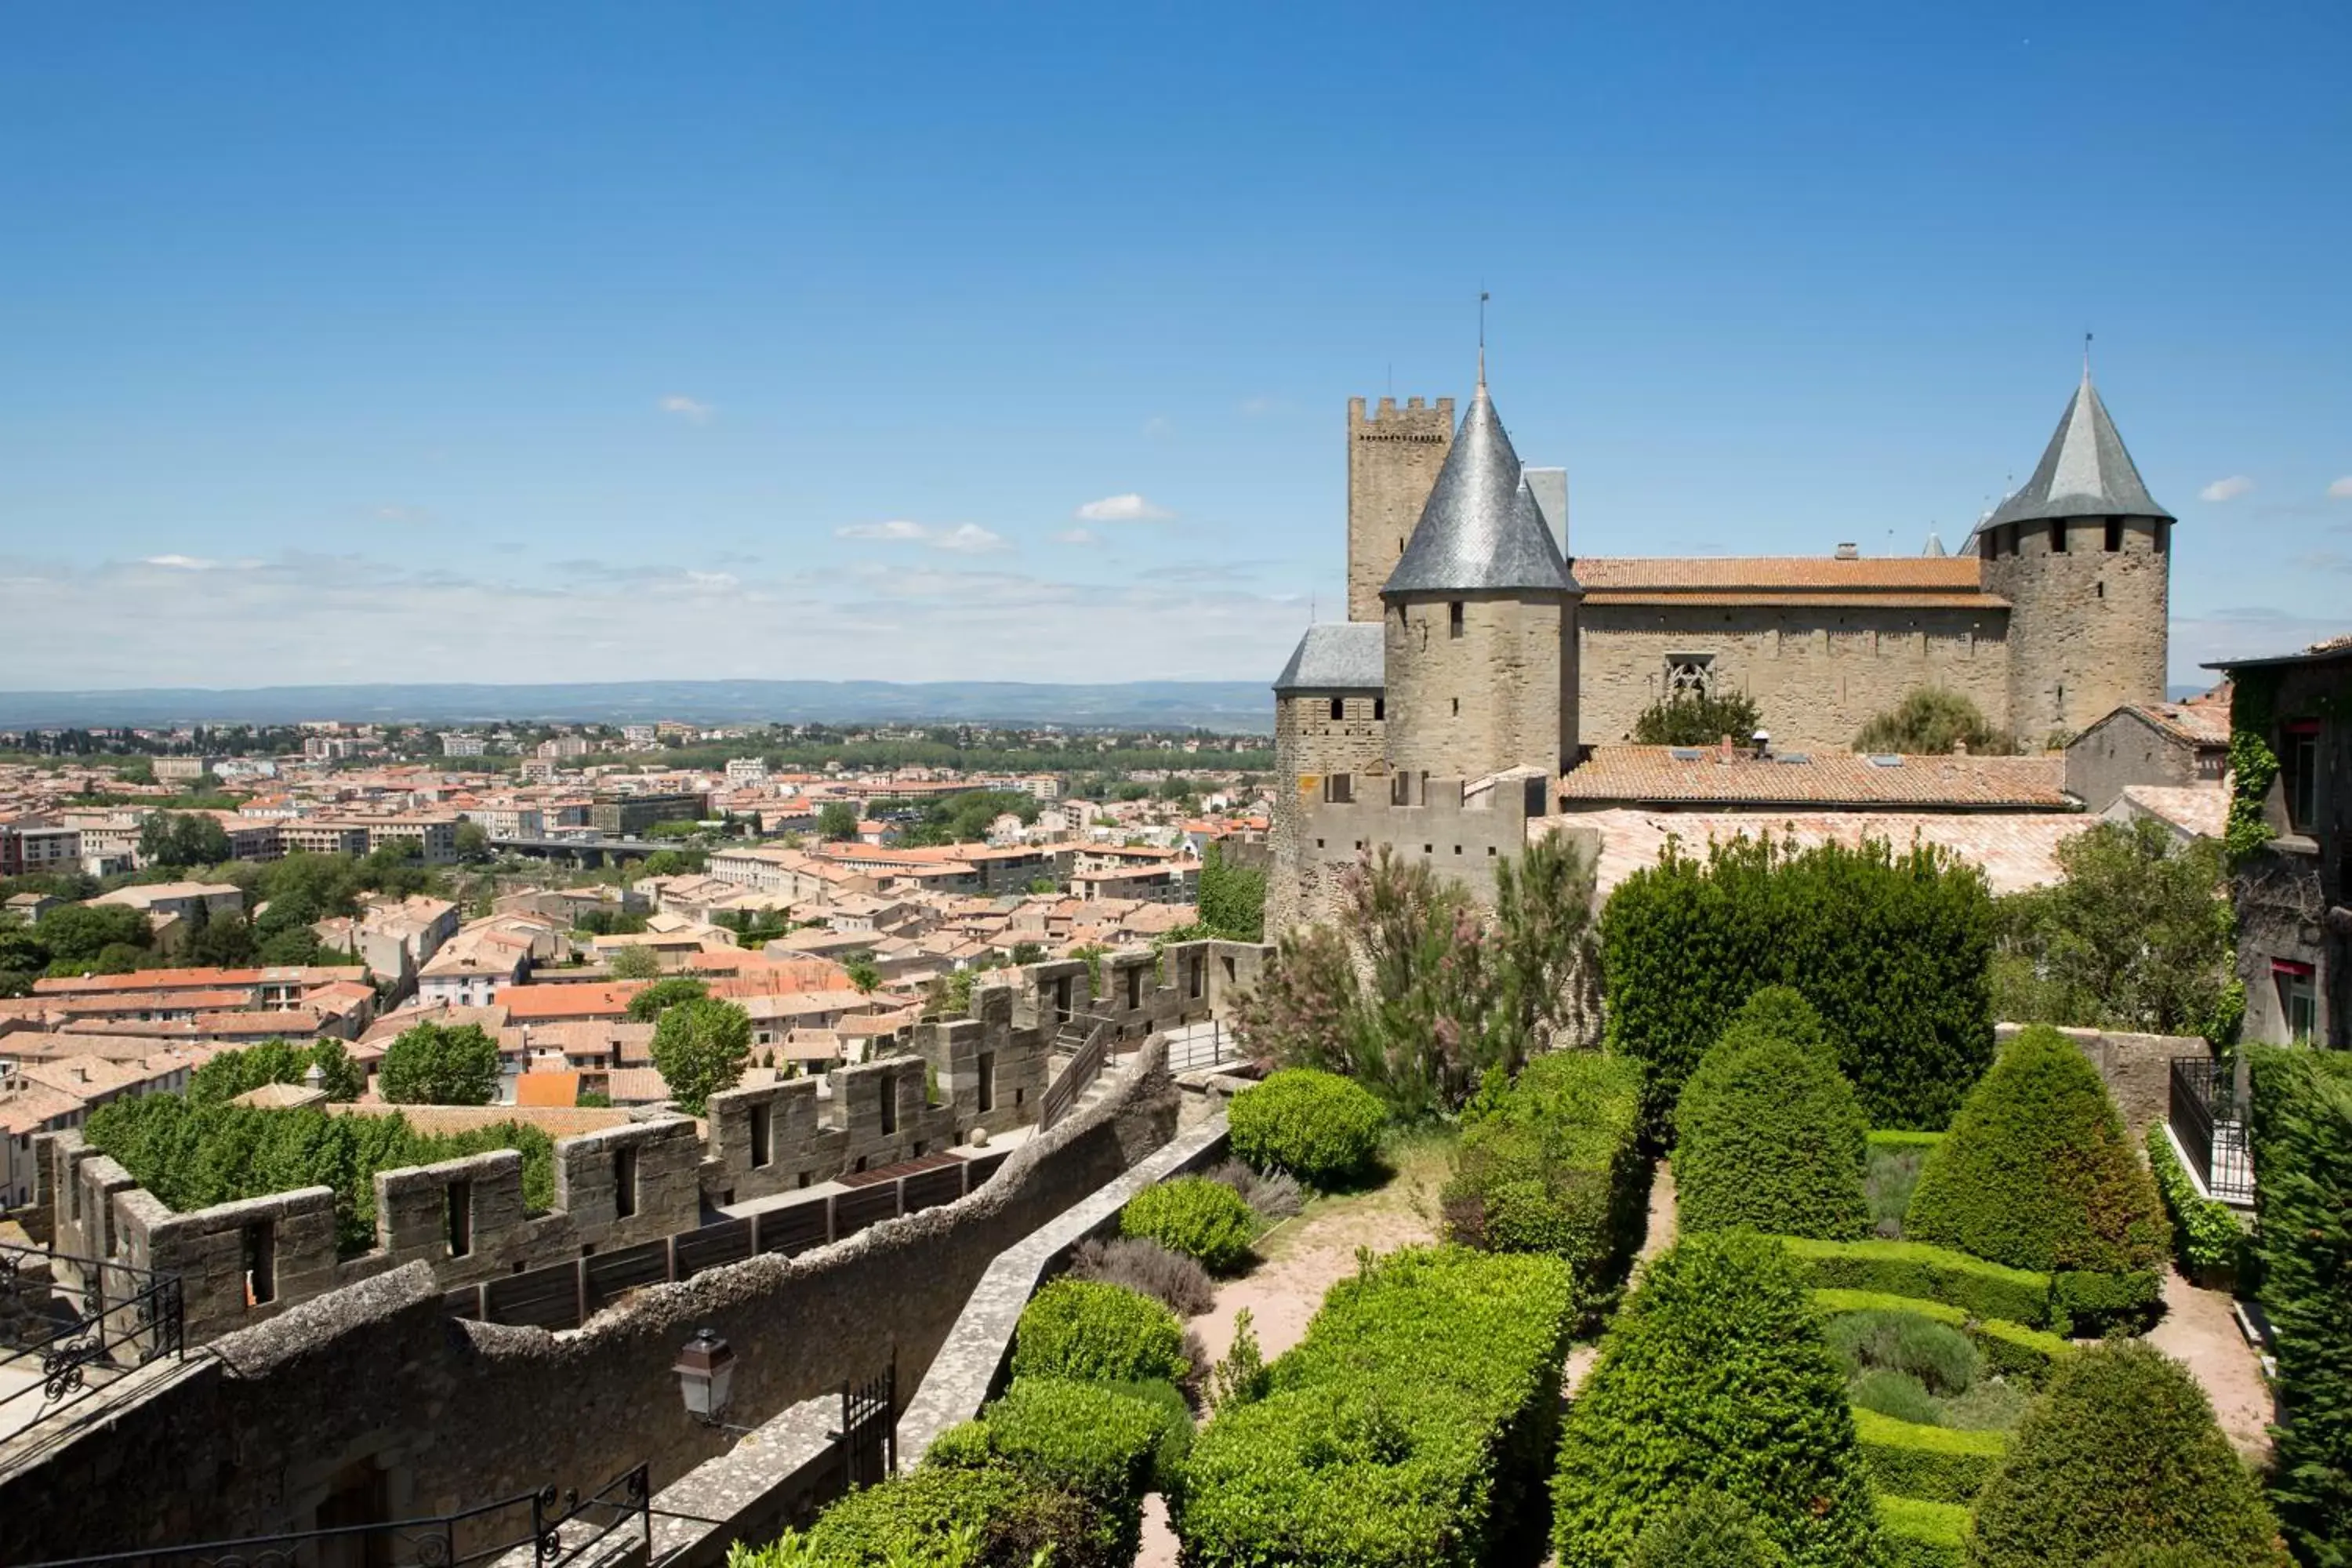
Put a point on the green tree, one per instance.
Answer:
(473, 842)
(700, 1047)
(663, 994)
(77, 934)
(222, 941)
(2138, 936)
(1698, 719)
(344, 1080)
(1930, 722)
(441, 1064)
(636, 961)
(182, 839)
(1027, 952)
(863, 974)
(837, 820)
(1232, 897)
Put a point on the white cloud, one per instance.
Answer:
(181, 563)
(686, 408)
(2230, 488)
(1077, 536)
(966, 538)
(1129, 508)
(2342, 489)
(711, 579)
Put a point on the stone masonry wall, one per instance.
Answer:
(2137, 1069)
(1819, 675)
(377, 1388)
(467, 1219)
(2088, 627)
(1309, 745)
(1457, 839)
(1494, 698)
(1393, 458)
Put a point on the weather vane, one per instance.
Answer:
(1483, 297)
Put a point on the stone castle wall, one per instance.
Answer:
(2088, 625)
(377, 1392)
(1460, 838)
(1819, 675)
(1496, 696)
(1393, 458)
(1309, 745)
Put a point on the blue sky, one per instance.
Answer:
(592, 341)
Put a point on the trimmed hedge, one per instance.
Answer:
(1003, 1516)
(2012, 1349)
(1201, 1219)
(1410, 1427)
(1096, 1332)
(2206, 1236)
(2302, 1126)
(1768, 1134)
(2121, 1451)
(1552, 1163)
(2038, 1173)
(1900, 1138)
(1941, 1464)
(1715, 1374)
(2083, 1303)
(1085, 1439)
(1318, 1126)
(1709, 1531)
(1922, 1534)
(1833, 1302)
(1915, 1268)
(1893, 949)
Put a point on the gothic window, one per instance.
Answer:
(1690, 674)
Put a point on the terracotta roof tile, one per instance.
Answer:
(1821, 573)
(2016, 850)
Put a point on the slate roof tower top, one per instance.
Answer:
(2083, 472)
(1481, 530)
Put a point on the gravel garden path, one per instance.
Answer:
(2201, 1332)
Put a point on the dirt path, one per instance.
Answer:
(2201, 1332)
(1299, 1261)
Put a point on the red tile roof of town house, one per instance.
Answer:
(25, 1108)
(578, 999)
(392, 1026)
(1654, 776)
(2016, 850)
(122, 1001)
(1900, 582)
(636, 1086)
(2202, 723)
(547, 1089)
(202, 978)
(2200, 810)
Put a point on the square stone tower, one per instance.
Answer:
(1393, 460)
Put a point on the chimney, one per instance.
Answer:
(1960, 747)
(1724, 752)
(1848, 553)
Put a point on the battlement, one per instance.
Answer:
(1417, 420)
(1460, 828)
(1393, 458)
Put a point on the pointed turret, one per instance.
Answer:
(1482, 529)
(2083, 472)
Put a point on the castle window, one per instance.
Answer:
(1454, 619)
(1339, 789)
(1339, 707)
(1458, 708)
(1380, 708)
(2299, 773)
(2114, 534)
(1399, 790)
(1690, 674)
(2057, 539)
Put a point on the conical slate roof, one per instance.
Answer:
(1482, 529)
(2085, 471)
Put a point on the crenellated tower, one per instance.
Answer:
(1393, 458)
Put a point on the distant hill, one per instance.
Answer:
(1227, 705)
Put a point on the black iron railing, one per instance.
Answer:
(2210, 1127)
(868, 1438)
(62, 1341)
(556, 1528)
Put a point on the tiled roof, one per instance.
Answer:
(2205, 723)
(2200, 809)
(1655, 774)
(1895, 582)
(567, 999)
(2016, 850)
(2083, 472)
(556, 1121)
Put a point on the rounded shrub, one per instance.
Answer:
(2037, 1173)
(1937, 1354)
(1896, 1393)
(1100, 1333)
(2120, 1452)
(1707, 1530)
(1551, 1162)
(1714, 1374)
(1086, 1438)
(1319, 1127)
(1197, 1218)
(1768, 1133)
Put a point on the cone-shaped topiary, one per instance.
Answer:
(2036, 1172)
(1714, 1374)
(1707, 1530)
(1768, 1134)
(2120, 1453)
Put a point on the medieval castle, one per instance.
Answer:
(1480, 658)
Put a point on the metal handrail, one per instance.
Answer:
(2203, 1115)
(1085, 1066)
(128, 1318)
